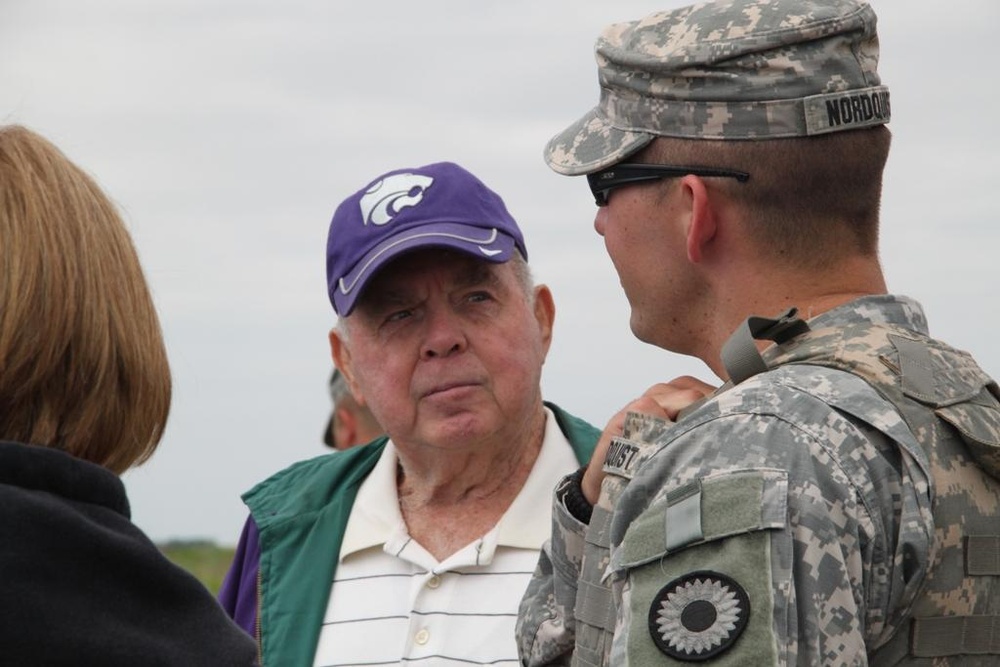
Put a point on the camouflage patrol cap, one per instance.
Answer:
(733, 69)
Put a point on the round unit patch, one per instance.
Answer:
(698, 616)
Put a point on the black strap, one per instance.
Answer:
(740, 355)
(573, 498)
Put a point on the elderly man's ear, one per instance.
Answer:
(342, 360)
(545, 313)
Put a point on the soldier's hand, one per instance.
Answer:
(664, 400)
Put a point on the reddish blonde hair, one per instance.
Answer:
(83, 367)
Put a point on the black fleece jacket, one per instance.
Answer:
(80, 584)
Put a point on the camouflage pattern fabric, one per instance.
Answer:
(950, 406)
(574, 607)
(731, 70)
(800, 517)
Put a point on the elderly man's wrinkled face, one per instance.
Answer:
(448, 350)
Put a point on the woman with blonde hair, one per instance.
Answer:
(84, 396)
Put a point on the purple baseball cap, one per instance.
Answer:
(437, 205)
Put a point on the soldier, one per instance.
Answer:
(835, 502)
(351, 423)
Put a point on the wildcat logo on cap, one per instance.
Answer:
(439, 205)
(383, 200)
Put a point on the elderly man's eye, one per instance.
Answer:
(479, 297)
(399, 315)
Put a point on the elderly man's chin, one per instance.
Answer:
(458, 429)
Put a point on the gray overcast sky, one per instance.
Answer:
(228, 130)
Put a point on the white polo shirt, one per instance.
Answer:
(393, 603)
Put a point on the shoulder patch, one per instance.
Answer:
(698, 616)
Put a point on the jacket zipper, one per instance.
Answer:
(256, 623)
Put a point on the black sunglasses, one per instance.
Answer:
(603, 182)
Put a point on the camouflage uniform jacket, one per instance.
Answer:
(799, 517)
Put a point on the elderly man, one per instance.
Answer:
(351, 423)
(836, 501)
(417, 546)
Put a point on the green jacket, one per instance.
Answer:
(301, 514)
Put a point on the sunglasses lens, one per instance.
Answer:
(599, 189)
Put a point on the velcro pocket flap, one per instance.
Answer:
(978, 422)
(706, 509)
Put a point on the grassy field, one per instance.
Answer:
(205, 560)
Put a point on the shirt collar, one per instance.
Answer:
(375, 515)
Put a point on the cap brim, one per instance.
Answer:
(591, 144)
(486, 243)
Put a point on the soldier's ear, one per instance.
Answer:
(702, 223)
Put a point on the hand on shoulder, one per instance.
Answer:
(664, 400)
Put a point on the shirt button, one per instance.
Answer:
(422, 637)
(434, 582)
